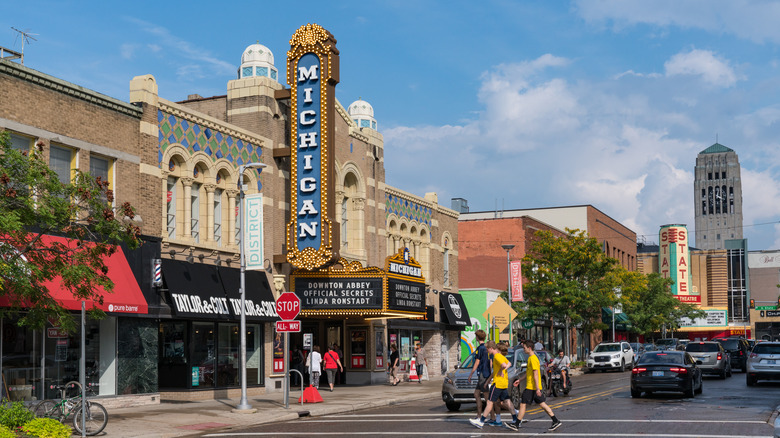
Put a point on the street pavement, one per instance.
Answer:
(181, 419)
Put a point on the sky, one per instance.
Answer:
(508, 104)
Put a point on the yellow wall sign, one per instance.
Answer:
(312, 72)
(500, 313)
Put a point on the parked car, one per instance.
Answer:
(738, 350)
(456, 388)
(666, 370)
(611, 356)
(638, 348)
(763, 363)
(682, 343)
(667, 344)
(714, 359)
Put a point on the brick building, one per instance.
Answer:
(178, 164)
(483, 261)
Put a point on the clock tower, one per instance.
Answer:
(717, 194)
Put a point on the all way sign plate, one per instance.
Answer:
(288, 326)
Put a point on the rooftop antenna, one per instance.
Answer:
(26, 37)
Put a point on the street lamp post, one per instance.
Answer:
(243, 405)
(508, 247)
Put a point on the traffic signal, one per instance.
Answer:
(753, 303)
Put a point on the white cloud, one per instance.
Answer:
(702, 63)
(127, 50)
(754, 20)
(626, 146)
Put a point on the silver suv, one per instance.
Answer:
(456, 388)
(714, 359)
(763, 363)
(611, 356)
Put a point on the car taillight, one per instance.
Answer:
(741, 353)
(679, 370)
(752, 355)
(638, 370)
(720, 356)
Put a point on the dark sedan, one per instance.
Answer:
(667, 370)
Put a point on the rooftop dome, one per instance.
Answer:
(257, 60)
(362, 113)
(360, 108)
(257, 52)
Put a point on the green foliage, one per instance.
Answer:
(569, 278)
(6, 432)
(649, 304)
(47, 428)
(35, 204)
(14, 415)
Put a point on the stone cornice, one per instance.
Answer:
(215, 124)
(41, 79)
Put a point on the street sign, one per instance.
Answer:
(288, 326)
(288, 306)
(766, 307)
(528, 323)
(501, 313)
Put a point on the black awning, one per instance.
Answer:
(195, 290)
(260, 301)
(455, 309)
(211, 292)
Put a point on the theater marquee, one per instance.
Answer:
(347, 288)
(312, 72)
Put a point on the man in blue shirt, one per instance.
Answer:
(483, 369)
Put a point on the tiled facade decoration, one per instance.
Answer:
(196, 138)
(407, 209)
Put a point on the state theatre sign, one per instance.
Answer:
(347, 288)
(674, 262)
(312, 72)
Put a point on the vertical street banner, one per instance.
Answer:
(253, 232)
(515, 270)
(674, 262)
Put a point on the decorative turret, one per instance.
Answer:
(257, 60)
(363, 114)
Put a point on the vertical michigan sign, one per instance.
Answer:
(674, 262)
(312, 72)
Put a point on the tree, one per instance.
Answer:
(569, 279)
(36, 204)
(649, 304)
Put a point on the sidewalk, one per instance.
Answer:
(178, 419)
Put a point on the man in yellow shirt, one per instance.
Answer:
(533, 390)
(499, 388)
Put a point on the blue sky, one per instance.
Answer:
(520, 104)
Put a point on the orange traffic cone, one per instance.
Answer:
(310, 395)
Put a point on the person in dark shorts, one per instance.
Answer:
(533, 390)
(499, 390)
(482, 368)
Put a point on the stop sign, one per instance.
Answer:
(288, 305)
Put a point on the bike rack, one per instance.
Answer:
(300, 374)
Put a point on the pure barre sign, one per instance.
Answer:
(312, 72)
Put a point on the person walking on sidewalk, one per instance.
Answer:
(393, 365)
(314, 364)
(482, 368)
(533, 390)
(332, 363)
(499, 392)
(419, 358)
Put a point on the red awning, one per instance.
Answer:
(125, 298)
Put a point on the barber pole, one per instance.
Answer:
(157, 269)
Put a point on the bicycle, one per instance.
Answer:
(96, 414)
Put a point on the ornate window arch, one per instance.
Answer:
(175, 171)
(446, 249)
(350, 209)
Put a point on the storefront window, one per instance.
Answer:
(228, 356)
(379, 345)
(254, 355)
(21, 361)
(203, 354)
(137, 356)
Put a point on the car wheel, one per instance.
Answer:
(723, 374)
(622, 365)
(515, 395)
(452, 406)
(701, 386)
(728, 371)
(750, 380)
(636, 393)
(691, 393)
